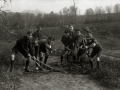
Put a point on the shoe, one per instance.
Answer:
(41, 69)
(11, 69)
(26, 70)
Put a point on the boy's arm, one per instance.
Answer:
(94, 43)
(26, 50)
(48, 47)
(25, 45)
(31, 48)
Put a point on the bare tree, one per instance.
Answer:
(75, 11)
(117, 8)
(89, 14)
(3, 12)
(99, 10)
(117, 11)
(108, 9)
(89, 11)
(65, 11)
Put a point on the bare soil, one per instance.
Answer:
(44, 80)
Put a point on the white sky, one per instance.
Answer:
(56, 5)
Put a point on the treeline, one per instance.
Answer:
(66, 16)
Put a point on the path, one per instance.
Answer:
(58, 81)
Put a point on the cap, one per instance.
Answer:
(29, 32)
(86, 29)
(77, 29)
(38, 26)
(51, 38)
(66, 31)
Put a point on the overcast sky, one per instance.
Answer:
(57, 5)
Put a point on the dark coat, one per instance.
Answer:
(79, 40)
(37, 34)
(66, 40)
(24, 46)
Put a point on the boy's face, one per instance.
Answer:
(29, 36)
(67, 34)
(78, 33)
(39, 28)
(71, 28)
(49, 41)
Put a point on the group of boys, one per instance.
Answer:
(31, 46)
(74, 38)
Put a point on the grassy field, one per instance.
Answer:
(106, 33)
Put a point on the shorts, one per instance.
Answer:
(43, 48)
(81, 52)
(36, 50)
(96, 52)
(16, 49)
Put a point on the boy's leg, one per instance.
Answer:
(41, 57)
(14, 52)
(98, 58)
(46, 57)
(61, 58)
(63, 54)
(91, 62)
(36, 54)
(27, 64)
(12, 62)
(98, 62)
(93, 53)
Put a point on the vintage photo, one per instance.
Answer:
(59, 44)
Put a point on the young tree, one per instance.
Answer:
(117, 11)
(108, 10)
(89, 11)
(3, 12)
(117, 8)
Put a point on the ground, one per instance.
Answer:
(57, 80)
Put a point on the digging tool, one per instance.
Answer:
(52, 69)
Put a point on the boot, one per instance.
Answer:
(11, 65)
(36, 65)
(41, 58)
(61, 59)
(74, 58)
(91, 63)
(98, 64)
(26, 67)
(45, 61)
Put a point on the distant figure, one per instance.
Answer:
(25, 46)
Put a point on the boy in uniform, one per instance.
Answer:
(96, 49)
(25, 46)
(79, 41)
(67, 42)
(37, 36)
(45, 47)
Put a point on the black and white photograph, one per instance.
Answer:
(59, 44)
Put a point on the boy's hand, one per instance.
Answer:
(29, 55)
(86, 47)
(34, 57)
